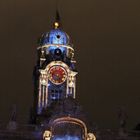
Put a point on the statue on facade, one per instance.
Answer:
(122, 115)
(12, 125)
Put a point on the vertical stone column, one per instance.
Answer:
(39, 98)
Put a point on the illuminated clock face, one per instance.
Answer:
(57, 75)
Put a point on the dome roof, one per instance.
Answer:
(55, 36)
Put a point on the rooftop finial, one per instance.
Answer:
(57, 17)
(57, 20)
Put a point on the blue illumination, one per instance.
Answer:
(52, 48)
(66, 137)
(55, 36)
(53, 97)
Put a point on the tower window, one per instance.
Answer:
(58, 36)
(53, 97)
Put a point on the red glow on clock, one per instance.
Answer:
(57, 75)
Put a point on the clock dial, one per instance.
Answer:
(57, 75)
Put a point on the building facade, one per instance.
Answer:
(55, 87)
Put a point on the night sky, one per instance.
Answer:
(106, 38)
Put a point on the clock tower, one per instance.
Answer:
(55, 74)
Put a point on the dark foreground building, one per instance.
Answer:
(56, 114)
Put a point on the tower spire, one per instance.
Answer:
(57, 20)
(57, 17)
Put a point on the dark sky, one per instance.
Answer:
(106, 38)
